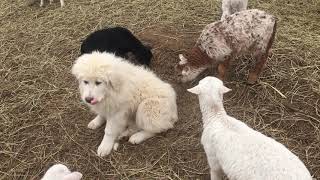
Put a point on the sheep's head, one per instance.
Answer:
(187, 70)
(61, 172)
(210, 90)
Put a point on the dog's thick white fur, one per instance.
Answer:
(132, 99)
(61, 172)
(236, 149)
(42, 2)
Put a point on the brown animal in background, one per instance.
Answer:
(246, 32)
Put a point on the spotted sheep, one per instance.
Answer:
(232, 6)
(247, 32)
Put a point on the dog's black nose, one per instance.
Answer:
(88, 99)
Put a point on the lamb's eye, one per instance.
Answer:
(86, 82)
(98, 82)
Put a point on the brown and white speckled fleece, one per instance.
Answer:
(246, 32)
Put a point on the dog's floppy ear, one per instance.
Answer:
(113, 79)
(77, 68)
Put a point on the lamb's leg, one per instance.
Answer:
(96, 122)
(41, 3)
(62, 3)
(216, 174)
(115, 126)
(51, 1)
(226, 9)
(222, 68)
(255, 72)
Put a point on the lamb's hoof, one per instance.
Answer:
(116, 146)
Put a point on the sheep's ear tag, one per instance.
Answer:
(183, 60)
(224, 89)
(194, 90)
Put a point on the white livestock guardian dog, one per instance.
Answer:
(132, 100)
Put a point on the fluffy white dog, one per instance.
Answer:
(133, 100)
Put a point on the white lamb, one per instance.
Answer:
(61, 172)
(232, 6)
(236, 149)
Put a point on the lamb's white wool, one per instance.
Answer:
(61, 172)
(236, 149)
(232, 6)
(132, 99)
(42, 2)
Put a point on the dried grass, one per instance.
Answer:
(43, 121)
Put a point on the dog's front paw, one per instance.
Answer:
(96, 122)
(93, 125)
(105, 148)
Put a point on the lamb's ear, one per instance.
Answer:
(73, 176)
(224, 89)
(183, 60)
(194, 90)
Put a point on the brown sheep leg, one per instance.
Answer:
(254, 74)
(222, 67)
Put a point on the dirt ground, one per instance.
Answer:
(43, 121)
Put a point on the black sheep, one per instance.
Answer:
(117, 40)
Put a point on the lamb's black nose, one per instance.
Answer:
(88, 99)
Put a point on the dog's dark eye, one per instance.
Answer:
(86, 82)
(98, 82)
